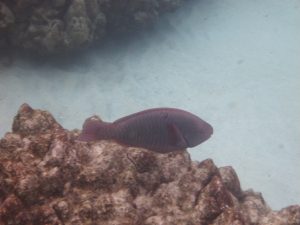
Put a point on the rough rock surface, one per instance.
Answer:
(60, 25)
(46, 177)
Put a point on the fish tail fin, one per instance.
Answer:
(90, 129)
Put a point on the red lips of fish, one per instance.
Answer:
(161, 130)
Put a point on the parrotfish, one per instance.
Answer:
(161, 130)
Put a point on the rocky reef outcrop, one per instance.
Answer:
(56, 26)
(47, 177)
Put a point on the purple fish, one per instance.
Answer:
(161, 130)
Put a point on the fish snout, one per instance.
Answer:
(198, 135)
(208, 131)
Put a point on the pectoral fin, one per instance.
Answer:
(175, 136)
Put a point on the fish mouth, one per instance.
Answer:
(199, 137)
(208, 132)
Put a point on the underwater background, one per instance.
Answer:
(233, 63)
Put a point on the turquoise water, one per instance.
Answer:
(233, 63)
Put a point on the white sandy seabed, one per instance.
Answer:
(233, 63)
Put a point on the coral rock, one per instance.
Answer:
(6, 16)
(58, 26)
(47, 177)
